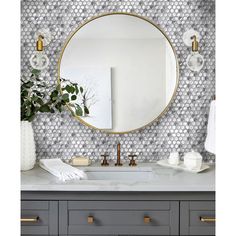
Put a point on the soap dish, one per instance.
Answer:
(81, 161)
(181, 166)
(90, 162)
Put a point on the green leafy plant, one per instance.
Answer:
(37, 96)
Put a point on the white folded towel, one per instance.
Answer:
(210, 139)
(61, 170)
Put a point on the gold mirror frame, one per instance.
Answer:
(142, 18)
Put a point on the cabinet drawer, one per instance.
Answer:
(119, 217)
(197, 218)
(39, 218)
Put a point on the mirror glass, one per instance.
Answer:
(127, 68)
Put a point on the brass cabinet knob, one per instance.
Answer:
(147, 219)
(90, 219)
(207, 219)
(33, 219)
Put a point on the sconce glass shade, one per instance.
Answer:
(39, 60)
(195, 61)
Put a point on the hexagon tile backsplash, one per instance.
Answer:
(181, 129)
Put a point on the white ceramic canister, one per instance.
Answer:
(193, 160)
(174, 158)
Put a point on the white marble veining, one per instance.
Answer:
(162, 179)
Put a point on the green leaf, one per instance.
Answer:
(45, 108)
(54, 95)
(34, 98)
(86, 110)
(73, 97)
(28, 111)
(70, 89)
(67, 88)
(65, 97)
(81, 89)
(24, 93)
(76, 89)
(27, 102)
(78, 111)
(35, 72)
(28, 84)
(39, 101)
(58, 106)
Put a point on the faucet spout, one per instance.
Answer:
(118, 162)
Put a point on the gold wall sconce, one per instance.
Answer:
(195, 60)
(39, 59)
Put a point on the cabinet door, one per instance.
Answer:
(118, 217)
(39, 218)
(197, 218)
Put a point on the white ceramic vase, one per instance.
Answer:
(28, 155)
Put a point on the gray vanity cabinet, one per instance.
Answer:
(118, 213)
(197, 218)
(39, 217)
(119, 217)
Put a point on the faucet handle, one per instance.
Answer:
(132, 161)
(104, 161)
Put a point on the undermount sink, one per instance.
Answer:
(120, 173)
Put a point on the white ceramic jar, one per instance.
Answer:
(193, 160)
(173, 158)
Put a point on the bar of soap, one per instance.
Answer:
(80, 161)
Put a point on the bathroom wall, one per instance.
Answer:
(181, 129)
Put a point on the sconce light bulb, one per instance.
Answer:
(39, 60)
(195, 61)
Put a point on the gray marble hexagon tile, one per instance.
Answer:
(182, 128)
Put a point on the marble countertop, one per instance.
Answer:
(164, 179)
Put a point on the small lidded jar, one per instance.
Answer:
(193, 160)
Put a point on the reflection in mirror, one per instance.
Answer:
(128, 70)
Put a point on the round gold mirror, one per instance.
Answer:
(127, 70)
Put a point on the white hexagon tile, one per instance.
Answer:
(181, 129)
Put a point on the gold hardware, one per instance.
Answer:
(132, 161)
(147, 219)
(194, 44)
(207, 219)
(90, 219)
(39, 44)
(128, 14)
(104, 161)
(118, 163)
(32, 219)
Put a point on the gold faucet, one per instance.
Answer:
(118, 163)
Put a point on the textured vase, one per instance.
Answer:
(28, 155)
